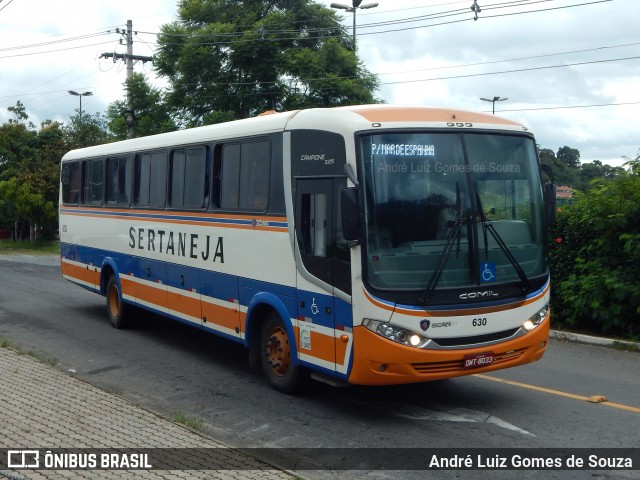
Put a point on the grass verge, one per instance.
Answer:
(192, 422)
(7, 247)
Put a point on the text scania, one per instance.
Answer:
(180, 244)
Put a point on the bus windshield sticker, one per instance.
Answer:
(488, 272)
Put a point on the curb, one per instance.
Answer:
(597, 341)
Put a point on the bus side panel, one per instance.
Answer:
(80, 265)
(220, 303)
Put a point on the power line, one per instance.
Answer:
(488, 16)
(54, 42)
(568, 107)
(55, 50)
(529, 69)
(10, 2)
(309, 31)
(531, 57)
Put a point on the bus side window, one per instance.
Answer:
(118, 181)
(189, 178)
(242, 173)
(150, 179)
(93, 182)
(314, 224)
(70, 180)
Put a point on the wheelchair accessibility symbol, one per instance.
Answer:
(487, 272)
(314, 307)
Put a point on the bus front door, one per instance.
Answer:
(315, 218)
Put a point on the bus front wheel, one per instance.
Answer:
(276, 356)
(115, 306)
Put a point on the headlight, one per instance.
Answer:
(395, 333)
(536, 319)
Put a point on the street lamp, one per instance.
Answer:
(493, 101)
(356, 5)
(85, 94)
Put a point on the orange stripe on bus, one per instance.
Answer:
(184, 304)
(222, 316)
(322, 346)
(152, 295)
(83, 273)
(341, 351)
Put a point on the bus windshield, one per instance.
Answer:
(450, 211)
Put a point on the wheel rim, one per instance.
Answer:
(278, 351)
(113, 301)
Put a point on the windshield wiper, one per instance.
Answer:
(454, 234)
(488, 227)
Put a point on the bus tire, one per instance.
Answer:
(116, 308)
(275, 352)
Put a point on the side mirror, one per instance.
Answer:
(549, 195)
(550, 203)
(350, 214)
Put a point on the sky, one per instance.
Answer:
(568, 69)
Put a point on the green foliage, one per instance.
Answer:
(563, 173)
(569, 156)
(29, 169)
(86, 130)
(29, 203)
(229, 60)
(151, 112)
(595, 257)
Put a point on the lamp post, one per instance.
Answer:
(85, 94)
(493, 102)
(353, 8)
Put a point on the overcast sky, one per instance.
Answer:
(570, 69)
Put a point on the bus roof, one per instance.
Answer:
(358, 117)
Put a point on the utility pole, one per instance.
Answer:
(128, 57)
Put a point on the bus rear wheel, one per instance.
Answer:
(276, 357)
(116, 308)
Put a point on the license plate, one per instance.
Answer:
(476, 360)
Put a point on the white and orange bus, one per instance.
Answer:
(366, 245)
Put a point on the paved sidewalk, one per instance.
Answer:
(44, 408)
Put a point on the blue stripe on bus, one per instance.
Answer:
(172, 217)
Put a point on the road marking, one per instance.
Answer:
(437, 413)
(558, 392)
(447, 414)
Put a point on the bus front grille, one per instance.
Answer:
(476, 339)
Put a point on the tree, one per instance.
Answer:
(29, 170)
(563, 174)
(597, 170)
(227, 60)
(20, 113)
(29, 203)
(569, 156)
(150, 111)
(87, 130)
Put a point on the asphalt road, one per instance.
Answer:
(168, 368)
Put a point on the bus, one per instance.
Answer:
(369, 245)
